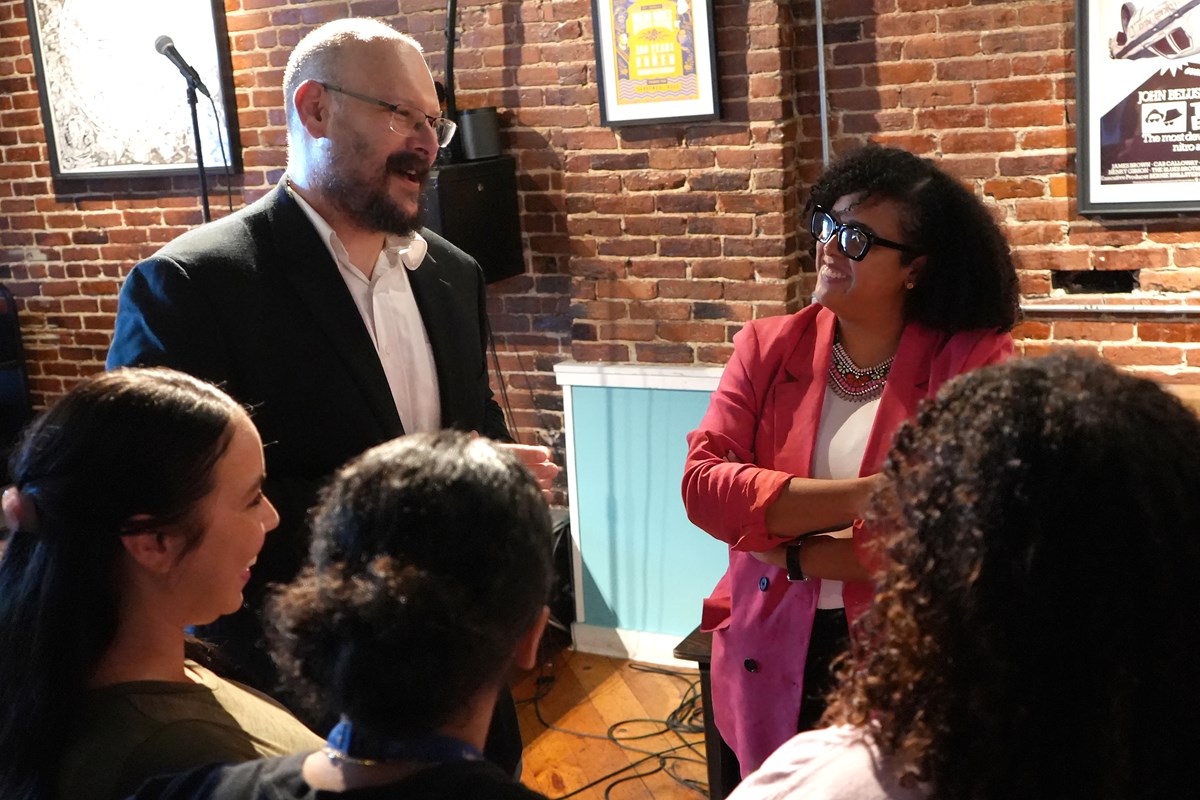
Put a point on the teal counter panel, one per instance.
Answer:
(645, 567)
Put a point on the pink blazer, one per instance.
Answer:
(758, 433)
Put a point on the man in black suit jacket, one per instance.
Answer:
(297, 304)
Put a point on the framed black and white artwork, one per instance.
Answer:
(112, 105)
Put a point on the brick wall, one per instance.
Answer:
(989, 89)
(644, 243)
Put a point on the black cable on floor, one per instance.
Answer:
(682, 720)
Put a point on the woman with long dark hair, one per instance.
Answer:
(136, 510)
(1035, 629)
(915, 285)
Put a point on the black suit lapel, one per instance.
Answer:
(435, 299)
(313, 274)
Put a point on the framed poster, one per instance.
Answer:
(1138, 125)
(112, 105)
(656, 61)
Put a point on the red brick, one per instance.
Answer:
(1047, 139)
(1143, 355)
(1033, 165)
(698, 289)
(626, 247)
(939, 46)
(1168, 332)
(691, 331)
(626, 289)
(1129, 258)
(1094, 331)
(959, 118)
(1175, 280)
(1015, 90)
(658, 268)
(627, 330)
(1027, 116)
(600, 351)
(665, 353)
(1049, 258)
(1031, 330)
(1186, 256)
(666, 226)
(978, 141)
(714, 354)
(659, 309)
(936, 94)
(1003, 188)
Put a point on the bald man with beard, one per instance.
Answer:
(326, 307)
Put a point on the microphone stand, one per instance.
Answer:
(191, 97)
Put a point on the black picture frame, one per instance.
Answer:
(674, 79)
(1138, 106)
(112, 106)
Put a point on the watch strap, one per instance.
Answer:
(792, 558)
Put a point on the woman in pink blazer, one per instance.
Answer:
(915, 285)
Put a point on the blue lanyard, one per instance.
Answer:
(354, 743)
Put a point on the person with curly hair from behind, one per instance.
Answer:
(1035, 630)
(915, 285)
(429, 578)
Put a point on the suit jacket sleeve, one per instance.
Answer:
(162, 320)
(725, 493)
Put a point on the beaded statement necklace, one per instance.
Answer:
(852, 383)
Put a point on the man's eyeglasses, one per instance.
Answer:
(853, 241)
(405, 118)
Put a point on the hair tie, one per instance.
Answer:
(20, 512)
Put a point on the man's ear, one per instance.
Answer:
(155, 550)
(526, 654)
(312, 107)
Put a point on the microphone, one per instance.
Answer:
(164, 45)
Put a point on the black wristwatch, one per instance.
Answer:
(792, 558)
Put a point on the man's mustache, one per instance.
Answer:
(405, 163)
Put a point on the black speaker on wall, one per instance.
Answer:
(473, 204)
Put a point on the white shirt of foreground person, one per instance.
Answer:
(840, 763)
(389, 310)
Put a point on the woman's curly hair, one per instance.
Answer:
(1036, 626)
(968, 280)
(431, 559)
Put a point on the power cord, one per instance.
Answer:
(686, 718)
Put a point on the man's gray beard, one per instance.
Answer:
(370, 206)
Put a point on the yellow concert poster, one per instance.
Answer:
(656, 60)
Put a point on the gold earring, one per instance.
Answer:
(909, 284)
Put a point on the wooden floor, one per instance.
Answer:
(588, 697)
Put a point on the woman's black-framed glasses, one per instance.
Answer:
(405, 118)
(853, 241)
